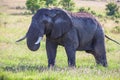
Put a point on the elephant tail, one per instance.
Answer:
(112, 39)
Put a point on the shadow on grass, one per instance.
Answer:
(22, 68)
(42, 68)
(25, 68)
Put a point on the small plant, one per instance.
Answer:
(51, 3)
(26, 13)
(93, 12)
(100, 15)
(117, 21)
(117, 15)
(82, 9)
(116, 29)
(67, 4)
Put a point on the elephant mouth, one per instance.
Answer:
(32, 43)
(32, 46)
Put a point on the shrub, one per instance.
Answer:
(117, 21)
(82, 9)
(34, 5)
(117, 15)
(51, 2)
(67, 4)
(93, 12)
(112, 9)
(100, 15)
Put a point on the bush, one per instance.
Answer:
(34, 5)
(100, 16)
(67, 4)
(93, 12)
(82, 9)
(117, 15)
(117, 21)
(112, 9)
(51, 3)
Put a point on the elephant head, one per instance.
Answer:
(41, 24)
(52, 22)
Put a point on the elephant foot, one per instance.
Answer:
(102, 62)
(72, 67)
(51, 66)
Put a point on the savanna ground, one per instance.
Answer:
(19, 63)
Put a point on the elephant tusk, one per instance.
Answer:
(21, 39)
(38, 41)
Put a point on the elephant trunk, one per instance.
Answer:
(34, 35)
(33, 44)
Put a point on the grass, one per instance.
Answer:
(19, 63)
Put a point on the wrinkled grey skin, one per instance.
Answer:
(74, 31)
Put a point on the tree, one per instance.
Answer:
(34, 5)
(112, 8)
(67, 4)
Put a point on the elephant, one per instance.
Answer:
(78, 31)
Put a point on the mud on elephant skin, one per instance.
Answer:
(74, 31)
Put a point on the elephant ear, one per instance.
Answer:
(62, 24)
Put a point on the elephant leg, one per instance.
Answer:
(100, 59)
(51, 52)
(71, 56)
(100, 52)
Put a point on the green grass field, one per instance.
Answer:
(17, 62)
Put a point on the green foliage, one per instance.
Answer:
(100, 16)
(112, 9)
(116, 29)
(67, 4)
(117, 15)
(93, 12)
(83, 9)
(117, 21)
(34, 5)
(51, 3)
